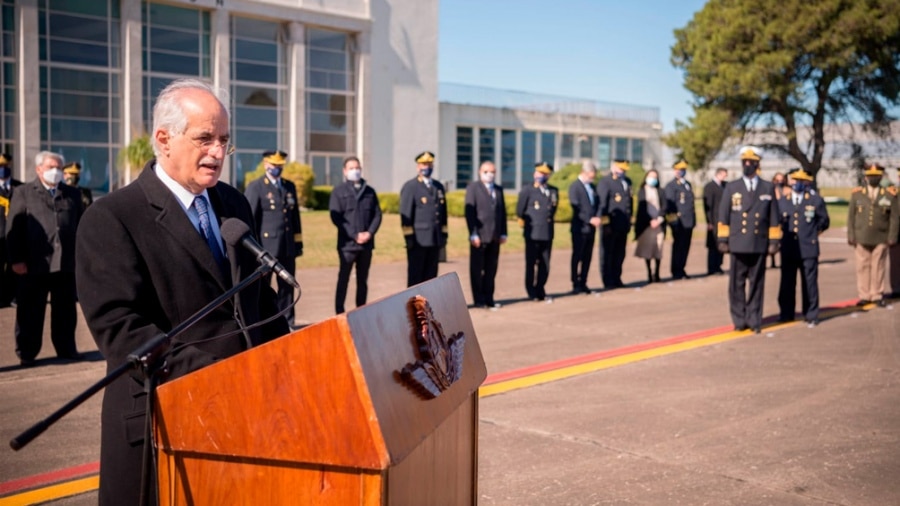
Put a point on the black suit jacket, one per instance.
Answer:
(748, 221)
(679, 205)
(353, 212)
(583, 206)
(615, 202)
(485, 216)
(642, 218)
(423, 213)
(276, 212)
(536, 211)
(802, 224)
(142, 268)
(5, 198)
(41, 228)
(712, 197)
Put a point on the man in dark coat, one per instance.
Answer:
(486, 221)
(614, 211)
(43, 218)
(803, 218)
(276, 212)
(150, 255)
(748, 228)
(423, 218)
(356, 214)
(584, 200)
(72, 176)
(680, 217)
(712, 198)
(7, 185)
(536, 209)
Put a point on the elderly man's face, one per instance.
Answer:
(184, 156)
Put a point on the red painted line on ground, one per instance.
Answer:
(48, 478)
(616, 352)
(94, 467)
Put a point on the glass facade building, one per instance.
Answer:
(7, 76)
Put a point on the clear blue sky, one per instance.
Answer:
(607, 50)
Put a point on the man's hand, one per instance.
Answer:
(709, 227)
(363, 237)
(20, 268)
(595, 221)
(773, 248)
(476, 241)
(722, 246)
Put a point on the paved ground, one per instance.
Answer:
(793, 416)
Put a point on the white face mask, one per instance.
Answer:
(487, 177)
(53, 176)
(354, 175)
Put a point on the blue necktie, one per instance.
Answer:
(206, 230)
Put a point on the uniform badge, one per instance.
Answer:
(440, 195)
(424, 200)
(765, 197)
(884, 202)
(618, 198)
(553, 199)
(809, 212)
(537, 205)
(269, 196)
(681, 198)
(736, 201)
(290, 200)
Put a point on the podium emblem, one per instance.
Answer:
(440, 358)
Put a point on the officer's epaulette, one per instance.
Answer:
(857, 189)
(892, 190)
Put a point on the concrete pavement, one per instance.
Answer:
(791, 416)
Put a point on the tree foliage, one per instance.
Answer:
(780, 67)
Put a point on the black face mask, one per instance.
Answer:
(750, 167)
(873, 181)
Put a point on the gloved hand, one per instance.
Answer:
(773, 247)
(722, 246)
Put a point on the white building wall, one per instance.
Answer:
(400, 117)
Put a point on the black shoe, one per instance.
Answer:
(757, 330)
(741, 328)
(785, 319)
(861, 302)
(812, 323)
(27, 362)
(882, 303)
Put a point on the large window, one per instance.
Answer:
(330, 102)
(176, 43)
(604, 152)
(464, 158)
(508, 158)
(486, 144)
(585, 146)
(258, 92)
(548, 148)
(567, 150)
(7, 75)
(622, 148)
(80, 91)
(637, 151)
(529, 155)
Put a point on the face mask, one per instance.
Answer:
(72, 180)
(5, 172)
(487, 177)
(274, 172)
(652, 181)
(779, 184)
(53, 176)
(873, 181)
(354, 175)
(799, 187)
(426, 172)
(750, 169)
(679, 174)
(541, 180)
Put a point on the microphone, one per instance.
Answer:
(235, 231)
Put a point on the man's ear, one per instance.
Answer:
(162, 140)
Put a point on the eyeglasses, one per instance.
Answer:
(207, 144)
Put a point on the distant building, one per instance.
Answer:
(516, 129)
(318, 79)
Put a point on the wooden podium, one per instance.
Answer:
(327, 415)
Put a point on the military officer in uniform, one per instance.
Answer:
(614, 211)
(71, 176)
(681, 218)
(536, 208)
(7, 184)
(423, 218)
(712, 197)
(276, 212)
(803, 219)
(872, 227)
(748, 228)
(584, 200)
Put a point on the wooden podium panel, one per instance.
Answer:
(323, 415)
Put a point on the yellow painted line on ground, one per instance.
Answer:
(53, 492)
(606, 363)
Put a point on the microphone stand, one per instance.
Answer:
(145, 359)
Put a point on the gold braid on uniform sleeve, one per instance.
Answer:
(775, 233)
(722, 230)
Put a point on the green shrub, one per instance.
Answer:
(456, 203)
(389, 203)
(564, 177)
(298, 173)
(563, 209)
(322, 197)
(512, 198)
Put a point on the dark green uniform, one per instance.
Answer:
(536, 208)
(872, 223)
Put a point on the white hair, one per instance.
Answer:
(588, 166)
(168, 113)
(43, 155)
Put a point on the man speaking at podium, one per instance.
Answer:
(150, 255)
